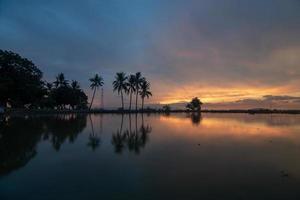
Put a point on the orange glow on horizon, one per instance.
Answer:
(223, 95)
(233, 126)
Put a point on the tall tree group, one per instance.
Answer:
(20, 81)
(21, 85)
(64, 94)
(133, 83)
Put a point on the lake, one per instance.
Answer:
(176, 156)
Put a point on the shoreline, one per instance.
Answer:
(150, 111)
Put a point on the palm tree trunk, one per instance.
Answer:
(142, 104)
(92, 98)
(101, 99)
(130, 100)
(136, 99)
(122, 99)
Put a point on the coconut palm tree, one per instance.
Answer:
(138, 80)
(145, 91)
(48, 87)
(96, 82)
(120, 85)
(60, 80)
(130, 87)
(75, 85)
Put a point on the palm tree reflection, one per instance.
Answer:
(133, 140)
(94, 139)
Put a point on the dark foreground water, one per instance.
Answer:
(213, 156)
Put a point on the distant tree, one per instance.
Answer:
(20, 81)
(120, 85)
(61, 81)
(145, 91)
(61, 93)
(75, 85)
(61, 96)
(47, 100)
(131, 88)
(194, 105)
(48, 86)
(82, 100)
(78, 98)
(64, 94)
(138, 80)
(166, 108)
(96, 82)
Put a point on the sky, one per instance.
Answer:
(229, 53)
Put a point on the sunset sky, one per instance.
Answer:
(229, 53)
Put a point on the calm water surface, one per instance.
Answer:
(213, 156)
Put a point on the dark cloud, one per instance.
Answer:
(174, 42)
(280, 98)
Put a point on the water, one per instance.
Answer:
(213, 156)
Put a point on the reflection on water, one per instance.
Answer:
(133, 139)
(19, 137)
(179, 156)
(94, 138)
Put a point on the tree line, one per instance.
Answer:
(21, 86)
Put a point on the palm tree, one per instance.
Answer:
(48, 87)
(75, 85)
(96, 82)
(145, 91)
(131, 87)
(138, 80)
(120, 84)
(60, 80)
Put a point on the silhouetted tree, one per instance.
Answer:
(64, 94)
(138, 80)
(120, 85)
(20, 81)
(78, 98)
(47, 100)
(194, 105)
(145, 91)
(131, 88)
(75, 85)
(61, 81)
(166, 108)
(96, 82)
